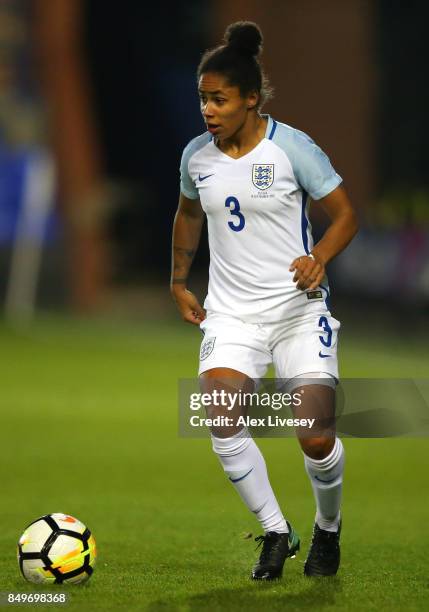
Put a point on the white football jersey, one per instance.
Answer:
(257, 219)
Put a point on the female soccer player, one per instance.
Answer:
(268, 296)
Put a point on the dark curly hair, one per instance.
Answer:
(237, 59)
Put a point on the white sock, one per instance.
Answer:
(326, 476)
(245, 466)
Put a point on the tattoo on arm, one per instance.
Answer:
(182, 260)
(189, 252)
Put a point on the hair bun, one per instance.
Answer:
(245, 37)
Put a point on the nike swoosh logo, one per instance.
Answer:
(203, 178)
(325, 481)
(241, 477)
(322, 355)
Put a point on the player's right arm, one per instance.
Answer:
(188, 222)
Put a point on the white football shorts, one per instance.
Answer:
(304, 345)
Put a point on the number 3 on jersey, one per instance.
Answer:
(234, 208)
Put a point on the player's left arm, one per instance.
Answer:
(309, 272)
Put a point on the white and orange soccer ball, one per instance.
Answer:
(56, 548)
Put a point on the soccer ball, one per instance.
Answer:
(56, 548)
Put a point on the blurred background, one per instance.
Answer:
(97, 104)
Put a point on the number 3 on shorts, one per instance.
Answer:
(235, 212)
(323, 323)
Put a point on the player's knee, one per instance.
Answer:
(317, 448)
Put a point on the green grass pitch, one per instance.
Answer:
(89, 427)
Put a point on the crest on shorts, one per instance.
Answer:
(263, 175)
(207, 347)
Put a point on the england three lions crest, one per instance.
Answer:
(207, 347)
(263, 175)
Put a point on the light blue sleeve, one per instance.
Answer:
(312, 167)
(187, 185)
